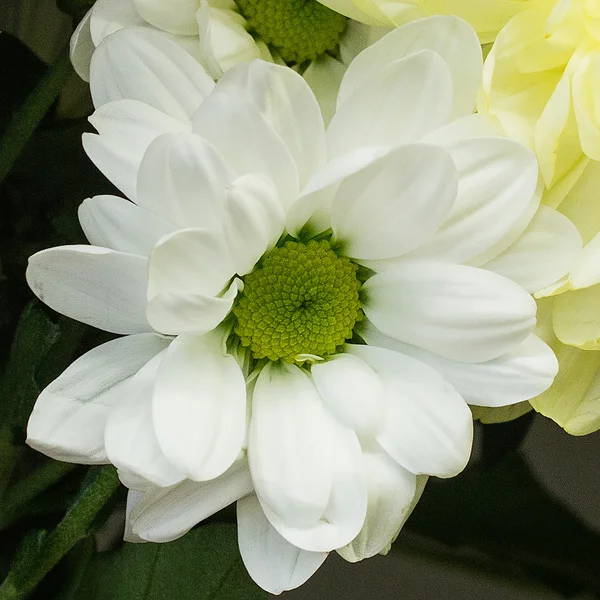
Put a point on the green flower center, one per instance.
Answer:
(301, 300)
(298, 30)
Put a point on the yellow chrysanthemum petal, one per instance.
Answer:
(500, 414)
(577, 318)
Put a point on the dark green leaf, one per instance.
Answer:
(203, 565)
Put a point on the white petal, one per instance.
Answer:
(519, 375)
(183, 178)
(253, 221)
(126, 128)
(165, 514)
(316, 198)
(345, 513)
(586, 271)
(394, 204)
(109, 16)
(462, 313)
(199, 406)
(497, 179)
(133, 497)
(324, 76)
(288, 105)
(399, 105)
(189, 313)
(143, 65)
(118, 224)
(272, 562)
(82, 47)
(69, 416)
(238, 130)
(97, 286)
(452, 38)
(352, 391)
(390, 490)
(429, 428)
(130, 440)
(545, 252)
(289, 447)
(175, 16)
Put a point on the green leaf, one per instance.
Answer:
(204, 564)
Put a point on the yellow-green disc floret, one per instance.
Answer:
(302, 299)
(298, 30)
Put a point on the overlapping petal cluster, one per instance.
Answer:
(440, 218)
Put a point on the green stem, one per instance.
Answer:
(16, 498)
(25, 120)
(34, 566)
(9, 455)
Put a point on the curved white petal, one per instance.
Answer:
(69, 416)
(429, 428)
(462, 313)
(352, 391)
(391, 490)
(144, 65)
(450, 37)
(290, 449)
(109, 16)
(97, 286)
(519, 375)
(118, 224)
(253, 221)
(81, 47)
(190, 313)
(324, 76)
(394, 204)
(586, 271)
(126, 128)
(199, 406)
(238, 130)
(288, 105)
(400, 104)
(175, 16)
(165, 514)
(497, 180)
(183, 179)
(345, 512)
(130, 439)
(133, 497)
(272, 562)
(545, 252)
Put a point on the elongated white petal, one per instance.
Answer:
(290, 450)
(286, 102)
(126, 128)
(69, 416)
(190, 313)
(144, 65)
(81, 47)
(253, 220)
(391, 490)
(352, 391)
(238, 130)
(519, 375)
(462, 313)
(452, 38)
(545, 252)
(399, 105)
(133, 497)
(100, 287)
(118, 224)
(109, 16)
(324, 76)
(183, 178)
(165, 514)
(345, 512)
(272, 562)
(199, 406)
(395, 203)
(130, 440)
(175, 16)
(429, 428)
(497, 179)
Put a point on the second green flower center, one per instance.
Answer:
(301, 300)
(298, 30)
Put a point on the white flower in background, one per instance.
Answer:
(306, 312)
(222, 33)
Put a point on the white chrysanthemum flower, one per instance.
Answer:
(306, 312)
